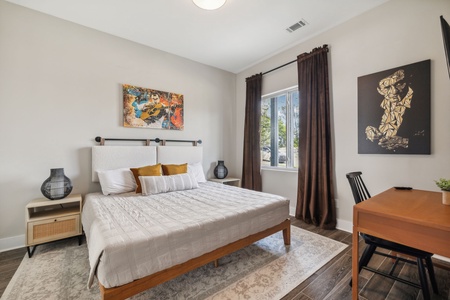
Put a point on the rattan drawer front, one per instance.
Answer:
(53, 229)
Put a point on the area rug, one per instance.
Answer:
(264, 270)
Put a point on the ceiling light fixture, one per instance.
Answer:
(209, 4)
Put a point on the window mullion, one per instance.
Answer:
(289, 134)
(274, 131)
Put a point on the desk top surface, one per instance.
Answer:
(415, 206)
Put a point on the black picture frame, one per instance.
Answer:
(394, 114)
(446, 38)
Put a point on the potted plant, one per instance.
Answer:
(444, 185)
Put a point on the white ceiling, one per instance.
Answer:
(238, 35)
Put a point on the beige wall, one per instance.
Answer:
(60, 87)
(396, 33)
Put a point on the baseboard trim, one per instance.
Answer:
(344, 225)
(11, 243)
(447, 259)
(292, 210)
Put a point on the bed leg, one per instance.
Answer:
(216, 263)
(287, 235)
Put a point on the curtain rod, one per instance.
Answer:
(279, 67)
(318, 48)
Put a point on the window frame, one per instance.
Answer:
(290, 156)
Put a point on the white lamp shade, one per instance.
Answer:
(209, 4)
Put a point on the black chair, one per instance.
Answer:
(360, 193)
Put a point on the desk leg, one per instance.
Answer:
(355, 255)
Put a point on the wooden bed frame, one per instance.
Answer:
(166, 154)
(145, 283)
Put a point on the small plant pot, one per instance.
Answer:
(446, 197)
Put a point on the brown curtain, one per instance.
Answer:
(315, 192)
(251, 169)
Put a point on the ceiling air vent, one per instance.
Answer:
(297, 25)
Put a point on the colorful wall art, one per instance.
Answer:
(394, 110)
(149, 108)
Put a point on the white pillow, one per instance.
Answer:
(161, 184)
(116, 181)
(197, 171)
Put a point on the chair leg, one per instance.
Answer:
(431, 274)
(423, 279)
(365, 258)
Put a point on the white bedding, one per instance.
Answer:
(131, 236)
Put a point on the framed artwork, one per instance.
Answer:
(149, 108)
(446, 38)
(394, 111)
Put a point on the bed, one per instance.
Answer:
(138, 241)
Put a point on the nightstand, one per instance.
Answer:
(228, 181)
(52, 220)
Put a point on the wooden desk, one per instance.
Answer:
(414, 218)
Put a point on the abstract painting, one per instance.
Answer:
(394, 111)
(149, 108)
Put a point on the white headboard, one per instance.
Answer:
(115, 157)
(179, 154)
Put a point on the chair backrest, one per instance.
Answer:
(359, 190)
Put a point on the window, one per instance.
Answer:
(280, 129)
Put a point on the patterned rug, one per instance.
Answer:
(264, 270)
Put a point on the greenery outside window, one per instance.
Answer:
(280, 129)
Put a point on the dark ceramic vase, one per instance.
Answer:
(220, 171)
(57, 186)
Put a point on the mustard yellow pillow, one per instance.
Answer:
(154, 170)
(174, 169)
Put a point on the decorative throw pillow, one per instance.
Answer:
(197, 171)
(116, 181)
(154, 170)
(162, 184)
(174, 169)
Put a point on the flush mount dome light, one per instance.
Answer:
(209, 4)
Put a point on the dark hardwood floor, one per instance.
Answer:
(9, 262)
(329, 282)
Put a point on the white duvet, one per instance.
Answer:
(130, 236)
